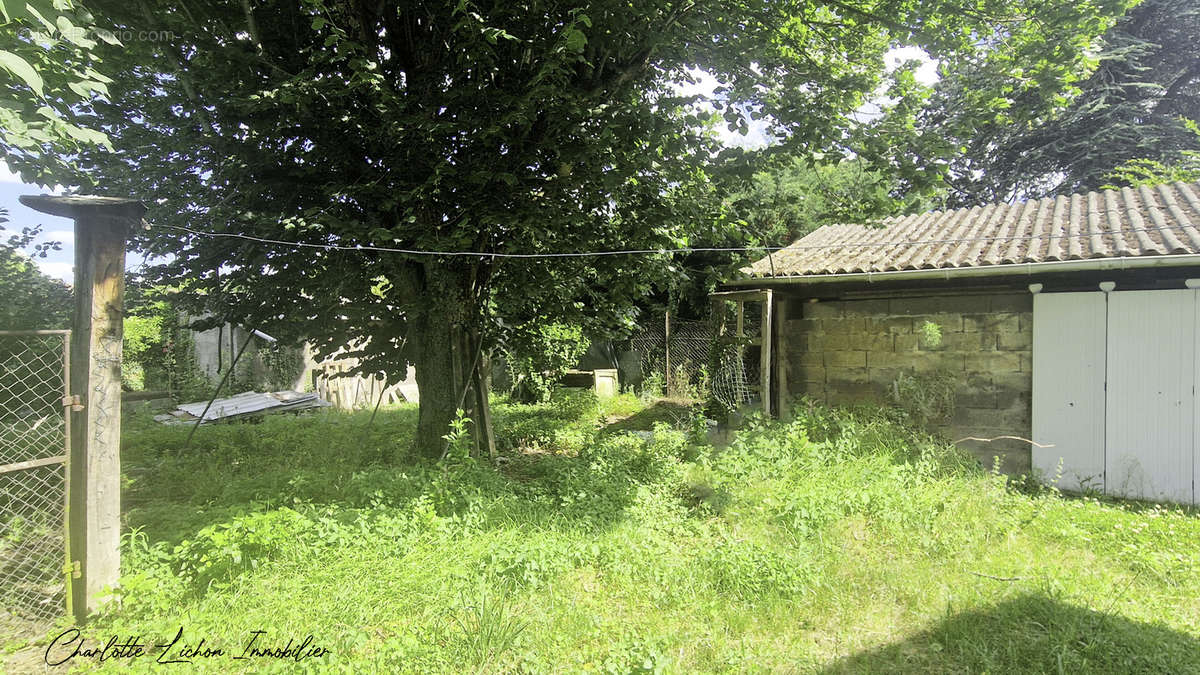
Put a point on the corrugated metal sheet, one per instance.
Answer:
(1116, 223)
(1149, 433)
(1068, 387)
(246, 403)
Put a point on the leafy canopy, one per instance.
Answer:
(1047, 136)
(48, 77)
(497, 127)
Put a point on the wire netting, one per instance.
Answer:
(32, 481)
(695, 363)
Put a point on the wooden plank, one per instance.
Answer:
(751, 296)
(33, 463)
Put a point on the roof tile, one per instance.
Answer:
(1113, 223)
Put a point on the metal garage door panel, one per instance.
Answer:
(1068, 388)
(1151, 366)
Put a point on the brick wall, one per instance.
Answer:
(853, 350)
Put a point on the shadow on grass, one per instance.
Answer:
(1033, 634)
(672, 413)
(332, 460)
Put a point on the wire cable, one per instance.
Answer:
(659, 251)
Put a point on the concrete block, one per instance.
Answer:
(1008, 398)
(891, 324)
(824, 310)
(1011, 303)
(808, 358)
(875, 308)
(796, 326)
(948, 323)
(920, 362)
(1026, 361)
(844, 326)
(883, 377)
(811, 374)
(851, 394)
(838, 378)
(949, 304)
(997, 323)
(1020, 382)
(870, 342)
(846, 359)
(1021, 341)
(993, 362)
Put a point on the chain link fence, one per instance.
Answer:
(33, 480)
(684, 359)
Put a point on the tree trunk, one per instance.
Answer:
(434, 336)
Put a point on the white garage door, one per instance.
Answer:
(1068, 388)
(1113, 392)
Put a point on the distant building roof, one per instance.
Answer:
(1131, 222)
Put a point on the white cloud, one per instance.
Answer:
(7, 176)
(926, 73)
(67, 237)
(58, 270)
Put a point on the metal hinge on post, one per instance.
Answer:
(72, 402)
(72, 569)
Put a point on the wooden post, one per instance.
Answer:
(667, 354)
(764, 354)
(784, 397)
(94, 517)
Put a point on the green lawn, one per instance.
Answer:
(837, 543)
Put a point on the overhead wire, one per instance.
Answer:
(660, 251)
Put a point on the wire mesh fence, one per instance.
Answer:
(685, 359)
(33, 481)
(738, 338)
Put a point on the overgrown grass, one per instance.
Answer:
(838, 542)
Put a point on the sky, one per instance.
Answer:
(58, 264)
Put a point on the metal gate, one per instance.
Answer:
(34, 446)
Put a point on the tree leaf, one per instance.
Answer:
(20, 68)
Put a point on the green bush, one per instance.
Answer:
(538, 353)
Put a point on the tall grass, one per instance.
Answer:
(841, 541)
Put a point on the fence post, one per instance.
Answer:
(667, 354)
(101, 227)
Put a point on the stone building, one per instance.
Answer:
(1070, 322)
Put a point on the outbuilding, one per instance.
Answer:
(1064, 329)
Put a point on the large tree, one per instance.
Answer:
(527, 127)
(1042, 139)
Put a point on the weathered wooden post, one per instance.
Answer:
(94, 507)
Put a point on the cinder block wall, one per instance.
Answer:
(849, 351)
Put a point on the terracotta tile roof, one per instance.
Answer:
(1154, 221)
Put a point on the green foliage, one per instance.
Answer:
(465, 127)
(996, 129)
(32, 300)
(142, 335)
(927, 398)
(49, 78)
(930, 335)
(538, 354)
(786, 203)
(1148, 172)
(619, 555)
